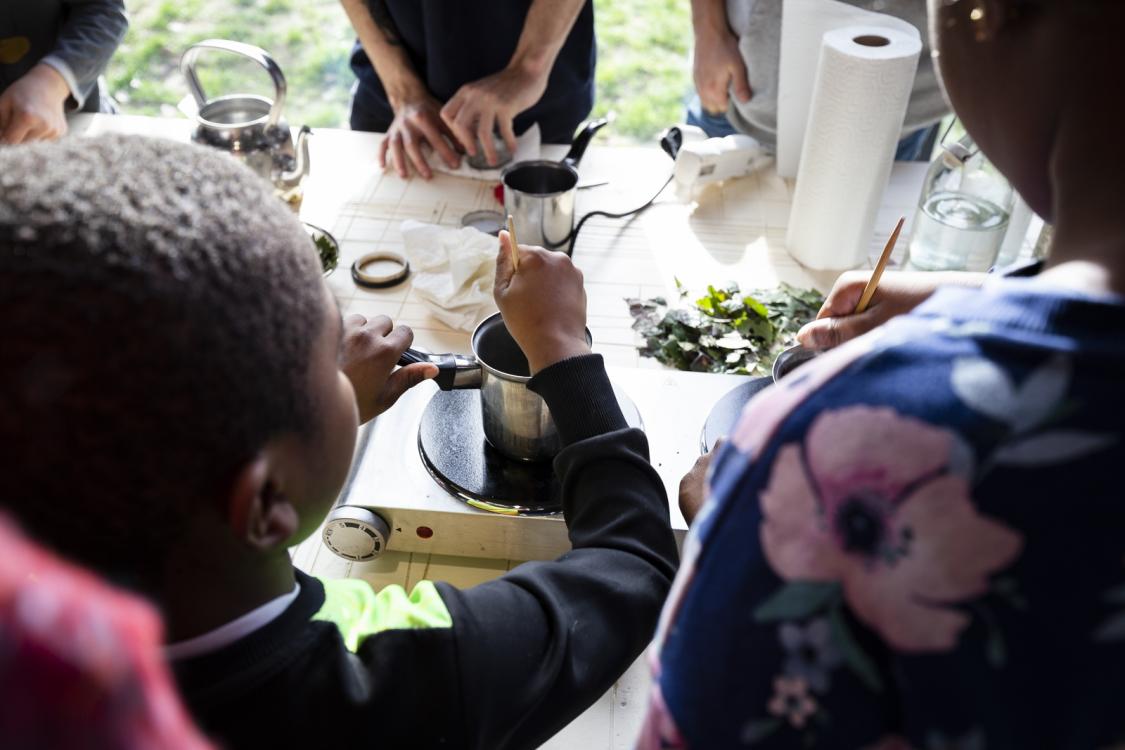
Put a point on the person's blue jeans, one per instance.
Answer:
(715, 126)
(913, 147)
(918, 146)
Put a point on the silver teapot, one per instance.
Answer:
(249, 127)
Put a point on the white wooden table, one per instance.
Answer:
(733, 232)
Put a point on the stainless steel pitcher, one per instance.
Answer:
(516, 420)
(249, 127)
(539, 194)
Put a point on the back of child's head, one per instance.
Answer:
(158, 309)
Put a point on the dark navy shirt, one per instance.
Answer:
(915, 541)
(75, 37)
(454, 42)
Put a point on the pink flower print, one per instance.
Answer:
(868, 501)
(791, 701)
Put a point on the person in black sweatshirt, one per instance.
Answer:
(181, 408)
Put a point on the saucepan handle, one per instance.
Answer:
(455, 371)
(582, 140)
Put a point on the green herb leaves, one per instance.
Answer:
(724, 331)
(329, 252)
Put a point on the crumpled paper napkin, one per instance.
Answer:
(528, 146)
(454, 270)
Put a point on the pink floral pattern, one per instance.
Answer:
(791, 701)
(869, 501)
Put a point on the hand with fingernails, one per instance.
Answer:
(417, 129)
(490, 105)
(371, 349)
(34, 107)
(898, 293)
(543, 304)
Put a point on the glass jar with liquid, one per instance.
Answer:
(962, 214)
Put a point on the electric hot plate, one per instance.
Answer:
(457, 455)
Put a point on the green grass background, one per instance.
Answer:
(644, 65)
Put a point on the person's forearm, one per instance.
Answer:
(544, 32)
(539, 645)
(709, 17)
(390, 60)
(86, 41)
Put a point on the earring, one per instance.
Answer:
(979, 18)
(978, 15)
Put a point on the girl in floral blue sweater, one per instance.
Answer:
(918, 539)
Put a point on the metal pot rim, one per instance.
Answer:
(488, 323)
(539, 163)
(484, 325)
(202, 120)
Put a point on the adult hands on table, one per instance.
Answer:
(543, 303)
(34, 107)
(898, 292)
(489, 105)
(370, 351)
(417, 127)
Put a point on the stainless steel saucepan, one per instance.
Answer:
(516, 420)
(539, 194)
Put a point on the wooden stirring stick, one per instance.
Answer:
(873, 282)
(514, 244)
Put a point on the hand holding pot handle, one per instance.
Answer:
(543, 305)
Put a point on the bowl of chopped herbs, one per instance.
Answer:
(326, 247)
(724, 331)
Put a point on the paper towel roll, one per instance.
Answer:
(863, 84)
(803, 26)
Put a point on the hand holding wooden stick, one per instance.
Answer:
(514, 244)
(873, 282)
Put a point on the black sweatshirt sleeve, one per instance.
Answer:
(502, 665)
(539, 645)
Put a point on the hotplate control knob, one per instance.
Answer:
(355, 533)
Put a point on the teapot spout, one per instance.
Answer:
(291, 178)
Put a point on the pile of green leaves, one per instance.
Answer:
(725, 331)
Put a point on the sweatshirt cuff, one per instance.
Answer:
(580, 397)
(63, 68)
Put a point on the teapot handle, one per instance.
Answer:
(257, 54)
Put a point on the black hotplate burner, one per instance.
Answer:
(455, 452)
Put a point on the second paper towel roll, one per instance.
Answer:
(863, 84)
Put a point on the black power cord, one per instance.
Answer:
(573, 238)
(670, 142)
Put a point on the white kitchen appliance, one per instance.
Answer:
(701, 162)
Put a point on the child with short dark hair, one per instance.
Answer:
(180, 408)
